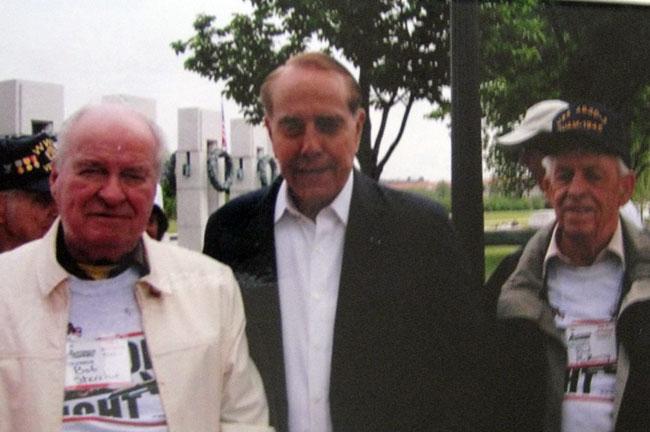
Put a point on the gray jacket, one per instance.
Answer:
(523, 296)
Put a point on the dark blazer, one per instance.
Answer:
(410, 348)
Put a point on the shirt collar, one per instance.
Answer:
(135, 258)
(614, 247)
(340, 205)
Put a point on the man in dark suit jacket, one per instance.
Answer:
(406, 346)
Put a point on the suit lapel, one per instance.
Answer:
(257, 275)
(363, 239)
(357, 287)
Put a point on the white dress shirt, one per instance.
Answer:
(309, 256)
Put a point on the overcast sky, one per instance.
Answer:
(102, 47)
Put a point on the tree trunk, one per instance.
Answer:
(365, 155)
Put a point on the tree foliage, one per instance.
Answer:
(533, 50)
(168, 184)
(640, 146)
(399, 48)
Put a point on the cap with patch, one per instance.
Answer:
(26, 162)
(553, 126)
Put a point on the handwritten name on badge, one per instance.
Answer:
(99, 363)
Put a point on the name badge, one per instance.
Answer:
(591, 343)
(97, 363)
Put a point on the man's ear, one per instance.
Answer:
(627, 187)
(54, 175)
(3, 207)
(267, 124)
(359, 122)
(269, 129)
(544, 185)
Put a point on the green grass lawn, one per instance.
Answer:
(493, 218)
(494, 255)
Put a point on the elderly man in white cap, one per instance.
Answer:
(523, 144)
(574, 314)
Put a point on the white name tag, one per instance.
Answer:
(99, 363)
(591, 343)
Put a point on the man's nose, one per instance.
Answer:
(112, 191)
(578, 184)
(311, 140)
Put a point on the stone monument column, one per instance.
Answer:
(30, 107)
(198, 131)
(253, 162)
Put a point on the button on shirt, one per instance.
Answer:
(309, 256)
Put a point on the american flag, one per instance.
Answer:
(224, 141)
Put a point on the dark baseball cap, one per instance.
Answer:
(554, 126)
(26, 162)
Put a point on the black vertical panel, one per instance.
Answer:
(466, 155)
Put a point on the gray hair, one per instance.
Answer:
(548, 162)
(63, 139)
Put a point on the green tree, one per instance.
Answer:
(399, 47)
(533, 50)
(640, 154)
(517, 41)
(168, 184)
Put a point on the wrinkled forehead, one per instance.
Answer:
(584, 161)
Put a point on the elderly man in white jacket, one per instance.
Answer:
(105, 329)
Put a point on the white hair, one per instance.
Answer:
(63, 140)
(548, 162)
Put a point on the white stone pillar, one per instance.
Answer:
(196, 199)
(29, 107)
(248, 144)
